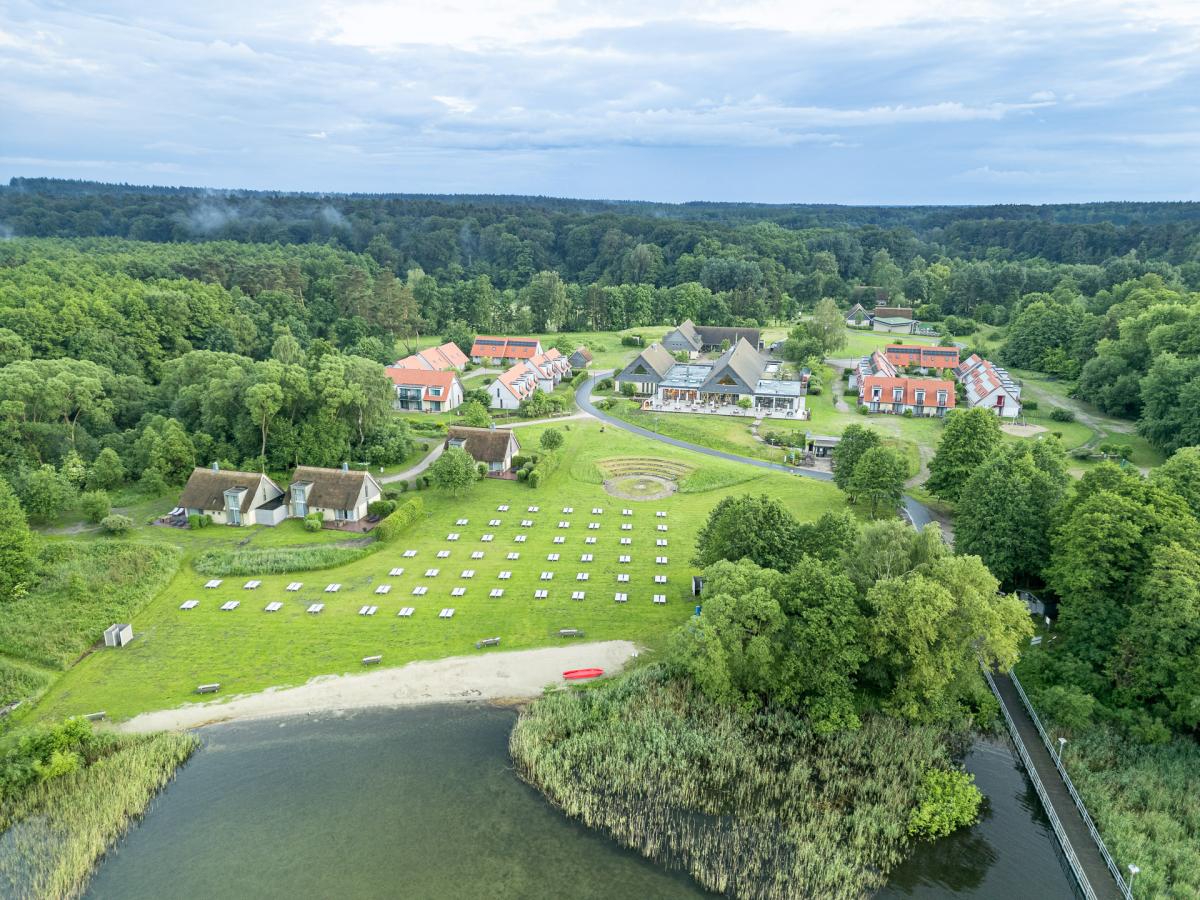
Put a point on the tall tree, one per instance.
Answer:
(879, 476)
(856, 440)
(970, 437)
(16, 545)
(454, 471)
(264, 400)
(756, 528)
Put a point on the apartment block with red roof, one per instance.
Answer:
(421, 390)
(435, 359)
(990, 387)
(922, 356)
(492, 350)
(919, 396)
(516, 384)
(549, 367)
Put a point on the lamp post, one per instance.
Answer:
(1133, 870)
(1062, 742)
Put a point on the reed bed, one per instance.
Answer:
(762, 808)
(58, 830)
(278, 560)
(19, 681)
(82, 589)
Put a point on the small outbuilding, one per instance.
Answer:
(118, 635)
(493, 446)
(581, 358)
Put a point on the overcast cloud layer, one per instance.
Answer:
(878, 101)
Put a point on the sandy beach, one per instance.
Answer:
(518, 675)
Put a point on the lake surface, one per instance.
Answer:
(423, 803)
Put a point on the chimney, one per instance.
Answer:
(345, 467)
(216, 466)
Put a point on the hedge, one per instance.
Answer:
(546, 465)
(406, 513)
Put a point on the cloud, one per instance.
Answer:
(765, 99)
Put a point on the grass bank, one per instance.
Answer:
(278, 560)
(55, 829)
(763, 808)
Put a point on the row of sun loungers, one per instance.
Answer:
(407, 611)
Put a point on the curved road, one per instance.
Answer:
(916, 512)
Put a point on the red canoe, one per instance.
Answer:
(576, 674)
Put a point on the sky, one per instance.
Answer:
(779, 101)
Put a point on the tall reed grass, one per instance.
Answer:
(762, 808)
(278, 560)
(56, 831)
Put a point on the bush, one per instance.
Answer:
(604, 384)
(116, 524)
(314, 521)
(631, 340)
(908, 414)
(546, 465)
(522, 474)
(1059, 414)
(482, 469)
(862, 411)
(551, 439)
(381, 508)
(578, 379)
(277, 560)
(628, 388)
(95, 505)
(1029, 405)
(744, 403)
(518, 461)
(948, 801)
(405, 514)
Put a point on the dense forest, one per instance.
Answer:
(132, 279)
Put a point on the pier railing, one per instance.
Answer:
(1056, 756)
(1081, 878)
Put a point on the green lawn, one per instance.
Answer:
(860, 342)
(249, 650)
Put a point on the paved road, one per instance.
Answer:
(425, 463)
(916, 512)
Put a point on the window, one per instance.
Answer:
(726, 380)
(920, 395)
(436, 392)
(941, 398)
(876, 393)
(897, 395)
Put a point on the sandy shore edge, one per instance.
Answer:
(515, 675)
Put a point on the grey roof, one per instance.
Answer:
(778, 388)
(656, 358)
(333, 488)
(687, 376)
(713, 335)
(743, 361)
(687, 330)
(483, 444)
(205, 488)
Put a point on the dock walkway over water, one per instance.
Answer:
(1094, 869)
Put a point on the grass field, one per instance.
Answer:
(863, 343)
(249, 650)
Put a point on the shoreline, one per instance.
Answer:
(510, 676)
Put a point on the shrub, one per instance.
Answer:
(196, 522)
(578, 379)
(745, 402)
(314, 521)
(948, 801)
(116, 524)
(1029, 404)
(1059, 414)
(631, 340)
(482, 469)
(551, 439)
(604, 384)
(546, 465)
(95, 505)
(381, 508)
(628, 389)
(862, 411)
(277, 560)
(908, 413)
(405, 514)
(518, 461)
(522, 474)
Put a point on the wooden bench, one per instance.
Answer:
(487, 642)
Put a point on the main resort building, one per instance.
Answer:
(717, 386)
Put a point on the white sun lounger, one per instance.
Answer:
(295, 586)
(230, 605)
(251, 585)
(568, 509)
(213, 583)
(494, 523)
(273, 606)
(623, 577)
(586, 557)
(405, 612)
(662, 527)
(409, 554)
(467, 573)
(189, 604)
(660, 598)
(660, 560)
(368, 610)
(503, 507)
(488, 538)
(432, 573)
(541, 594)
(396, 571)
(420, 590)
(446, 613)
(593, 526)
(462, 522)
(560, 540)
(627, 512)
(582, 576)
(519, 539)
(514, 555)
(625, 526)
(660, 579)
(589, 540)
(661, 514)
(527, 523)
(496, 592)
(478, 554)
(452, 536)
(621, 597)
(552, 557)
(597, 511)
(316, 608)
(383, 589)
(504, 576)
(624, 559)
(458, 592)
(577, 595)
(546, 576)
(564, 524)
(625, 542)
(443, 554)
(661, 542)
(333, 588)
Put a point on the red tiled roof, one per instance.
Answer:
(405, 377)
(922, 355)
(910, 386)
(492, 347)
(447, 356)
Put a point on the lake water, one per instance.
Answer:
(422, 803)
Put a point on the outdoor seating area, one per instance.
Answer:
(365, 595)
